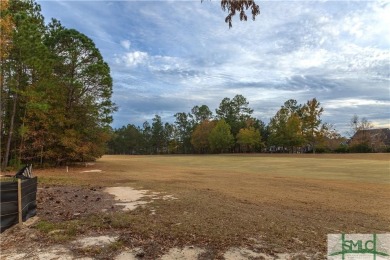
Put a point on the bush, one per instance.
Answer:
(342, 149)
(322, 150)
(15, 164)
(360, 148)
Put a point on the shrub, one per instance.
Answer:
(342, 149)
(322, 150)
(360, 148)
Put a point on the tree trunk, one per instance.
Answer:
(11, 130)
(41, 156)
(22, 136)
(1, 109)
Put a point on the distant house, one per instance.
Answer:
(377, 139)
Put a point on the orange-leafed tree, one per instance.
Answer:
(6, 27)
(311, 122)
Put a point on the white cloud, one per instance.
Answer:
(336, 51)
(302, 59)
(381, 123)
(126, 44)
(354, 102)
(135, 58)
(167, 63)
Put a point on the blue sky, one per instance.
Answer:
(168, 56)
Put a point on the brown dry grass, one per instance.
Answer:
(289, 202)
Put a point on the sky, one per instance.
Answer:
(168, 56)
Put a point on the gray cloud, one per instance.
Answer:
(182, 54)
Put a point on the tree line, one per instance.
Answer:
(55, 90)
(233, 128)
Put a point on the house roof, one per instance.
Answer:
(374, 135)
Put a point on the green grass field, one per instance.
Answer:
(289, 202)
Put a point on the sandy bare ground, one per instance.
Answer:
(127, 197)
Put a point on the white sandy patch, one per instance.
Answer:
(96, 170)
(131, 198)
(132, 254)
(14, 256)
(244, 254)
(56, 252)
(131, 205)
(126, 256)
(127, 194)
(95, 241)
(187, 253)
(51, 253)
(169, 197)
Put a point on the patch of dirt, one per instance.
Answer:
(62, 203)
(127, 255)
(95, 241)
(53, 252)
(55, 204)
(130, 198)
(186, 253)
(235, 253)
